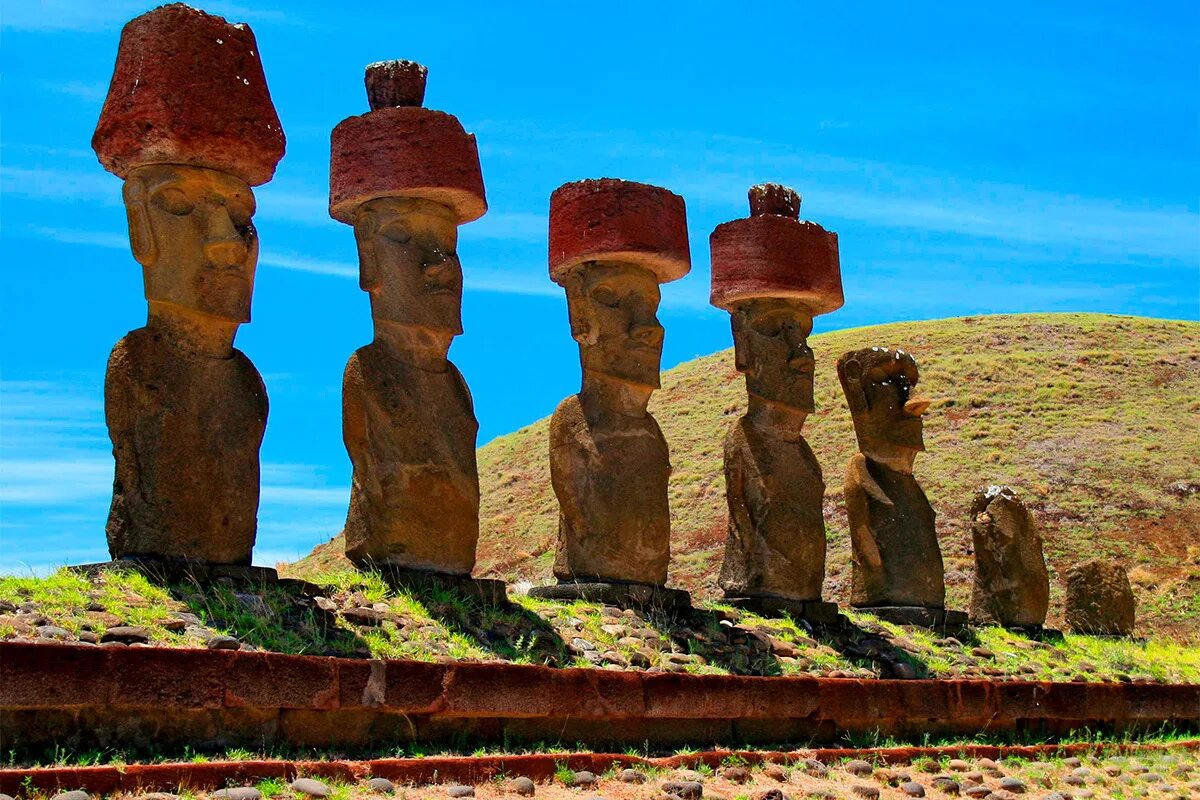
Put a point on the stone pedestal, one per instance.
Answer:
(183, 570)
(938, 619)
(485, 591)
(815, 612)
(640, 596)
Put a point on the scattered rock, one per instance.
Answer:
(977, 791)
(222, 642)
(127, 634)
(381, 785)
(237, 793)
(859, 768)
(584, 778)
(159, 796)
(310, 787)
(958, 765)
(771, 794)
(775, 772)
(53, 632)
(458, 790)
(1015, 785)
(946, 784)
(522, 786)
(632, 776)
(1001, 794)
(685, 790)
(1072, 762)
(814, 767)
(982, 652)
(73, 795)
(913, 789)
(689, 775)
(736, 774)
(864, 791)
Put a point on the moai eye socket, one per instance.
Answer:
(174, 201)
(398, 234)
(767, 324)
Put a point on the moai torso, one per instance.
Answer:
(411, 436)
(1011, 586)
(611, 482)
(186, 430)
(776, 544)
(896, 559)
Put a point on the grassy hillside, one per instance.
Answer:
(1094, 419)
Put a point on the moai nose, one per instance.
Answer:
(223, 245)
(917, 406)
(648, 335)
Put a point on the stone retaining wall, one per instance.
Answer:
(92, 697)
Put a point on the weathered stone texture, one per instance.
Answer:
(1012, 586)
(1100, 599)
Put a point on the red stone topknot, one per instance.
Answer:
(401, 149)
(188, 88)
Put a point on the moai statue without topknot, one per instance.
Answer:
(1012, 586)
(612, 243)
(897, 567)
(773, 274)
(406, 177)
(189, 125)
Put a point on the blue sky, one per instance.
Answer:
(974, 158)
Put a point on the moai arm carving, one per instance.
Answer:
(859, 486)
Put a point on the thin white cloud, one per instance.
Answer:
(316, 266)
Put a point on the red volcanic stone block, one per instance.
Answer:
(728, 697)
(53, 676)
(620, 221)
(391, 84)
(851, 703)
(164, 678)
(970, 700)
(406, 687)
(779, 257)
(400, 149)
(270, 680)
(503, 690)
(188, 88)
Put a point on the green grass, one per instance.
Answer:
(1090, 417)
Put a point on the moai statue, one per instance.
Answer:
(189, 125)
(896, 562)
(406, 177)
(1100, 599)
(773, 274)
(612, 243)
(1012, 587)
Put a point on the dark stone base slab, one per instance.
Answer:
(938, 619)
(486, 591)
(816, 612)
(182, 570)
(623, 595)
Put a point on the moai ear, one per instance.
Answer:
(850, 373)
(366, 226)
(579, 308)
(137, 211)
(738, 324)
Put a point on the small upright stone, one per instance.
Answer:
(1012, 586)
(522, 786)
(381, 785)
(310, 787)
(1099, 599)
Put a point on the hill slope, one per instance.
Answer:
(1094, 419)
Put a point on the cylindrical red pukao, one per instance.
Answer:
(188, 88)
(775, 255)
(404, 151)
(621, 221)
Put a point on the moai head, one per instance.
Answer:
(406, 177)
(189, 125)
(879, 384)
(612, 243)
(773, 274)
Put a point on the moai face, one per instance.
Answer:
(770, 339)
(409, 263)
(613, 310)
(191, 230)
(879, 386)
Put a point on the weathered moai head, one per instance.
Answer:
(189, 125)
(406, 177)
(773, 274)
(880, 384)
(612, 243)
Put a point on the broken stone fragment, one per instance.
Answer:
(1012, 586)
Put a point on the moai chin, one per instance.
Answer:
(1012, 586)
(189, 126)
(406, 177)
(896, 561)
(612, 243)
(773, 274)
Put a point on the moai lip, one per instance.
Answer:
(1012, 586)
(775, 550)
(189, 125)
(406, 177)
(896, 560)
(188, 88)
(612, 243)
